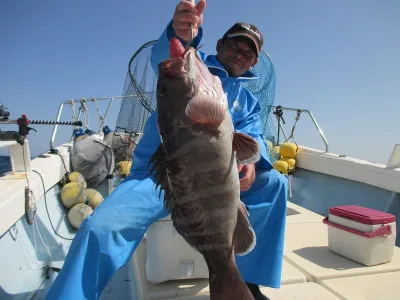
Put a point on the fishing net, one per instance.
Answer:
(140, 100)
(264, 89)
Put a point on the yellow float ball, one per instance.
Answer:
(281, 166)
(78, 213)
(288, 150)
(123, 168)
(94, 197)
(75, 177)
(73, 193)
(78, 177)
(291, 162)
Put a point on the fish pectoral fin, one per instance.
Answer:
(206, 110)
(159, 161)
(244, 237)
(246, 148)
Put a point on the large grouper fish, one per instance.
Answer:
(196, 166)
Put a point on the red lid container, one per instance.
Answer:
(362, 214)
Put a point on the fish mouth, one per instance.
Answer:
(172, 67)
(178, 66)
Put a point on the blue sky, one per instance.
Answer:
(339, 59)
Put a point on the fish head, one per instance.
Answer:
(186, 87)
(182, 61)
(177, 81)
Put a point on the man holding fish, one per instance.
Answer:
(107, 239)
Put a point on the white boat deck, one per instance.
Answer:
(310, 270)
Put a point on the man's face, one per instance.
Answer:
(237, 55)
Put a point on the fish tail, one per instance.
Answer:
(229, 285)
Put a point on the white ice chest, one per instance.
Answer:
(361, 234)
(169, 256)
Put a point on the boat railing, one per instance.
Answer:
(83, 114)
(278, 109)
(83, 111)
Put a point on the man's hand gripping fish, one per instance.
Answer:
(196, 166)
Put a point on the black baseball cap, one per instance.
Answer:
(246, 30)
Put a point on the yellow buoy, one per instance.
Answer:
(94, 197)
(78, 213)
(76, 177)
(288, 150)
(73, 193)
(291, 161)
(287, 158)
(281, 166)
(123, 168)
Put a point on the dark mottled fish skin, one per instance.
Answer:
(196, 166)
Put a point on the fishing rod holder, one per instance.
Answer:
(23, 128)
(17, 143)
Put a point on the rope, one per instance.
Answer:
(291, 136)
(102, 119)
(32, 206)
(84, 109)
(72, 103)
(279, 115)
(26, 172)
(47, 210)
(62, 159)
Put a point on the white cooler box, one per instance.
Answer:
(169, 256)
(361, 234)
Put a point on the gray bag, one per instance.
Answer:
(93, 158)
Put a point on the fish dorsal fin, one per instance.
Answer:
(244, 237)
(206, 110)
(247, 148)
(159, 161)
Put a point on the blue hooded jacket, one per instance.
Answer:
(244, 107)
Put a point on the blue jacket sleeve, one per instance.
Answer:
(251, 125)
(160, 50)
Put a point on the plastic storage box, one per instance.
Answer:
(361, 234)
(169, 256)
